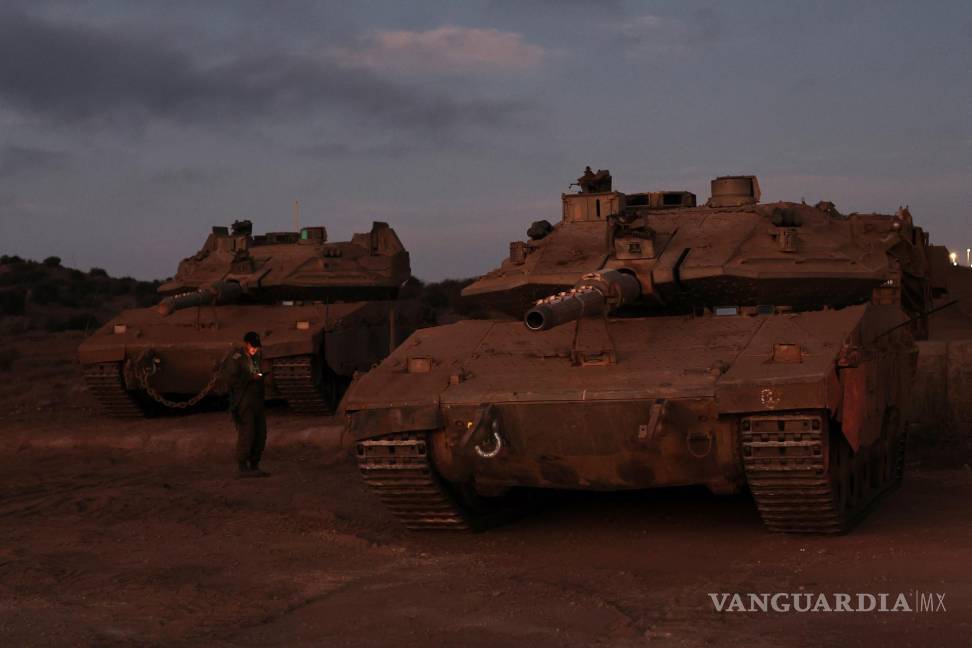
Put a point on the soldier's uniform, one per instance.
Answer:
(244, 380)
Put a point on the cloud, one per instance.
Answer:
(448, 49)
(17, 159)
(183, 177)
(341, 150)
(599, 7)
(76, 73)
(650, 35)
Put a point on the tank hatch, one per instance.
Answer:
(732, 191)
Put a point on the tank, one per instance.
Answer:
(941, 414)
(323, 309)
(647, 341)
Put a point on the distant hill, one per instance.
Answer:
(45, 295)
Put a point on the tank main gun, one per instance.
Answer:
(217, 293)
(595, 294)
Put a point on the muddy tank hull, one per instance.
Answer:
(141, 361)
(790, 405)
(941, 407)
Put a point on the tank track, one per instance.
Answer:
(294, 378)
(796, 488)
(398, 470)
(107, 385)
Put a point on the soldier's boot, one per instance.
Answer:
(255, 469)
(246, 471)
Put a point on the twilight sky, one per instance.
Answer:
(127, 128)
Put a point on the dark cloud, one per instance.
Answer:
(338, 150)
(17, 159)
(592, 8)
(184, 177)
(76, 73)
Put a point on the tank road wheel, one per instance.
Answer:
(805, 477)
(107, 384)
(307, 384)
(399, 470)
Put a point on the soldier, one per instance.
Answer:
(244, 378)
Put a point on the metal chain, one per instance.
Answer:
(144, 375)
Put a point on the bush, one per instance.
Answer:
(123, 286)
(78, 322)
(7, 358)
(52, 261)
(445, 294)
(22, 275)
(69, 299)
(6, 260)
(146, 293)
(12, 302)
(14, 324)
(77, 275)
(44, 292)
(82, 322)
(98, 272)
(147, 299)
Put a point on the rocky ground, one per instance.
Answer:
(137, 533)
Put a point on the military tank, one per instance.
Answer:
(323, 309)
(655, 342)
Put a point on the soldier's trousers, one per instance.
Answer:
(251, 434)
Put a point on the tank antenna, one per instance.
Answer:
(296, 215)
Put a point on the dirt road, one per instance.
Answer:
(122, 547)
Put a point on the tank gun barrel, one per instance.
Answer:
(220, 292)
(594, 294)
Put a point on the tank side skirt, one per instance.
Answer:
(803, 485)
(398, 469)
(107, 385)
(294, 378)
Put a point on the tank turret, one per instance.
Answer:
(289, 266)
(732, 252)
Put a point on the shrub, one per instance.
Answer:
(22, 275)
(98, 272)
(7, 357)
(146, 293)
(78, 322)
(12, 302)
(44, 292)
(69, 299)
(82, 322)
(146, 299)
(6, 259)
(122, 286)
(52, 261)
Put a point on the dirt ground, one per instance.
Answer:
(114, 547)
(110, 542)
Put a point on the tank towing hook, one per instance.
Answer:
(484, 434)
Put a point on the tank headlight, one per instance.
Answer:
(303, 325)
(120, 329)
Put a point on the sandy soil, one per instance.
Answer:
(110, 542)
(114, 548)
